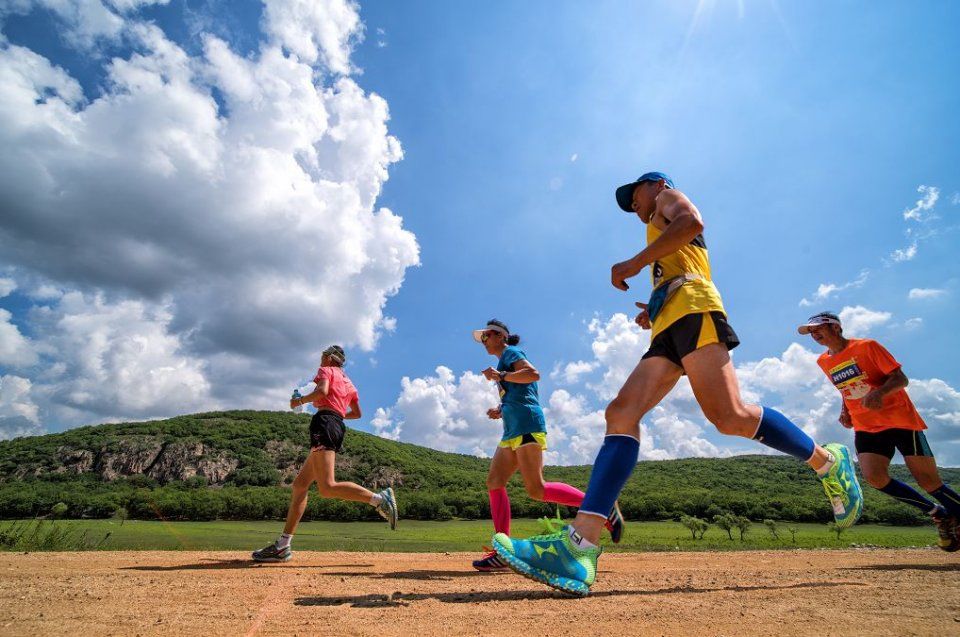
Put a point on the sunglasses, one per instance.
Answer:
(486, 335)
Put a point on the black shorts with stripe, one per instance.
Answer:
(908, 442)
(691, 332)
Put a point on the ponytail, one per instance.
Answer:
(513, 339)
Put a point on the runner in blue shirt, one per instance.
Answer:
(524, 438)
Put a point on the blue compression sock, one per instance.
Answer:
(907, 495)
(777, 432)
(613, 466)
(948, 498)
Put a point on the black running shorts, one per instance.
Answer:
(326, 431)
(908, 442)
(691, 332)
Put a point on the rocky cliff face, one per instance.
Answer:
(146, 455)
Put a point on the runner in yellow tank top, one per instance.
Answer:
(690, 336)
(691, 297)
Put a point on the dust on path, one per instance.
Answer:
(876, 592)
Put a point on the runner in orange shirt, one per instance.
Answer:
(876, 406)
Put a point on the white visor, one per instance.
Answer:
(477, 334)
(816, 321)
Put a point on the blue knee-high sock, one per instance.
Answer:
(907, 495)
(613, 466)
(776, 431)
(948, 498)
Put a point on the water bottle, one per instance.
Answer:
(296, 396)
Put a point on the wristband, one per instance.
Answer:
(503, 376)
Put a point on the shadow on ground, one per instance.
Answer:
(226, 565)
(938, 568)
(405, 599)
(423, 575)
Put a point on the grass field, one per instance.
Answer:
(415, 536)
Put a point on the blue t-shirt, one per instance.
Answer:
(519, 402)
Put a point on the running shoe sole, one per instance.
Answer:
(563, 584)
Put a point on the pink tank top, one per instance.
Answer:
(341, 393)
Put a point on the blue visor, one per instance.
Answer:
(625, 192)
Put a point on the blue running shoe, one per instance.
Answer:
(550, 559)
(842, 487)
(271, 553)
(614, 524)
(490, 562)
(388, 507)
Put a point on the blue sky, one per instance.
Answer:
(802, 132)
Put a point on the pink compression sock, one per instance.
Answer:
(500, 510)
(562, 493)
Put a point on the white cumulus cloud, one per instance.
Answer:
(15, 349)
(859, 321)
(7, 287)
(18, 412)
(231, 199)
(321, 31)
(443, 412)
(571, 373)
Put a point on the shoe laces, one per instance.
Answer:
(550, 529)
(833, 488)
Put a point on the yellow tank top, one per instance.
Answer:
(693, 297)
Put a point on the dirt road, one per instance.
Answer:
(882, 592)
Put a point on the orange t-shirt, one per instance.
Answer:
(861, 367)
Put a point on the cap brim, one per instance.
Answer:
(477, 334)
(625, 196)
(805, 329)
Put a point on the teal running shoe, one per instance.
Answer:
(388, 507)
(550, 559)
(842, 487)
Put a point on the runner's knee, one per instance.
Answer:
(301, 484)
(494, 482)
(622, 418)
(731, 421)
(535, 490)
(876, 477)
(325, 487)
(928, 481)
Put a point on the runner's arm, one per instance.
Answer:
(894, 381)
(523, 373)
(845, 418)
(323, 387)
(684, 226)
(354, 412)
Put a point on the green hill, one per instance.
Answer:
(235, 465)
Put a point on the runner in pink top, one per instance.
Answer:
(336, 399)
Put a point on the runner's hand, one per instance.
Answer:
(643, 318)
(491, 374)
(845, 419)
(622, 271)
(494, 413)
(873, 400)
